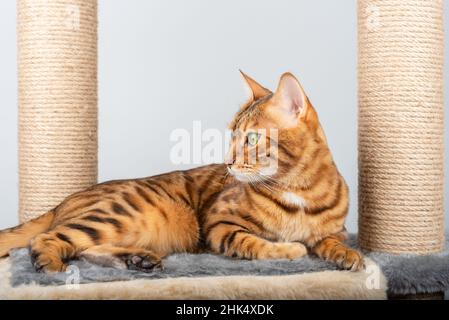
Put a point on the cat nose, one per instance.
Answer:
(229, 160)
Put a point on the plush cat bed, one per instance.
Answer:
(208, 276)
(175, 266)
(310, 285)
(187, 276)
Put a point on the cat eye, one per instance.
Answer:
(253, 138)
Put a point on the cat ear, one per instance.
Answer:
(255, 91)
(291, 99)
(291, 95)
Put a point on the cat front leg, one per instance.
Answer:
(240, 242)
(282, 250)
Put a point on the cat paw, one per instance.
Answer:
(46, 264)
(143, 262)
(348, 259)
(284, 250)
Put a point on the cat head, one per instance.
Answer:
(273, 132)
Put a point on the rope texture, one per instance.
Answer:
(57, 73)
(400, 72)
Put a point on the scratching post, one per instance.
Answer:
(57, 72)
(401, 125)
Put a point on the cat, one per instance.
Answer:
(244, 208)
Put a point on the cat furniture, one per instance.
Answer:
(401, 220)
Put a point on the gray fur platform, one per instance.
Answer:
(176, 265)
(412, 274)
(406, 274)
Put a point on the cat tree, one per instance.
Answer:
(401, 180)
(57, 62)
(400, 115)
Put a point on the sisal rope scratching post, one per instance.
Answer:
(57, 72)
(401, 125)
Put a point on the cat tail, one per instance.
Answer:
(20, 236)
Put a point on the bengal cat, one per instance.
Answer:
(246, 208)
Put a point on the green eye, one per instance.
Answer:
(253, 138)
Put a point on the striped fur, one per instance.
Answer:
(245, 214)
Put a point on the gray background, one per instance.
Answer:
(164, 64)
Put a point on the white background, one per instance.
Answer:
(164, 64)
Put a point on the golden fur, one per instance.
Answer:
(242, 209)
